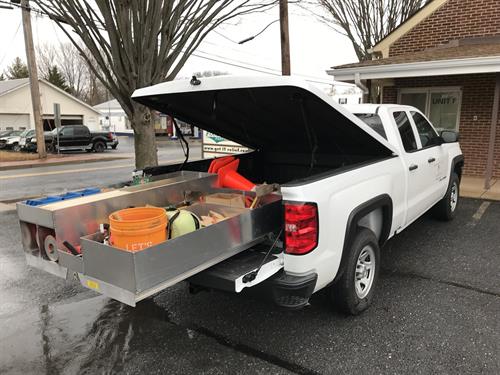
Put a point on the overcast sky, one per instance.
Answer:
(314, 46)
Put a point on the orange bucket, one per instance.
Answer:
(135, 229)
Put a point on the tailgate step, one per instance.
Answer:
(235, 273)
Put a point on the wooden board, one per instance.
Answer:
(83, 200)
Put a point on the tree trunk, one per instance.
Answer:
(144, 137)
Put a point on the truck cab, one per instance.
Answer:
(423, 150)
(75, 137)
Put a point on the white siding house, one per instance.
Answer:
(16, 111)
(113, 118)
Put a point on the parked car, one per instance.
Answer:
(75, 137)
(9, 139)
(340, 184)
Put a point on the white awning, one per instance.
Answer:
(490, 64)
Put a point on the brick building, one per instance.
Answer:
(444, 60)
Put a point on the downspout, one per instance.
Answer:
(359, 84)
(494, 124)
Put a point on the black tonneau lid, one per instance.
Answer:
(272, 114)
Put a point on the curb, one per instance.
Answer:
(62, 162)
(7, 207)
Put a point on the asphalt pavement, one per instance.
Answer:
(21, 184)
(436, 311)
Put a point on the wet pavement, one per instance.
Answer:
(437, 310)
(25, 183)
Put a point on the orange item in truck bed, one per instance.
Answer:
(231, 179)
(216, 164)
(232, 166)
(135, 229)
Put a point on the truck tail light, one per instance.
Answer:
(110, 136)
(301, 227)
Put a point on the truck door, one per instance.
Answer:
(419, 175)
(66, 137)
(437, 159)
(82, 136)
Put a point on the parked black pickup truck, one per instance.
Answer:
(75, 137)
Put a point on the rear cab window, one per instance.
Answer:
(81, 131)
(374, 121)
(405, 131)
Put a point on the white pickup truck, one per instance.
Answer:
(349, 179)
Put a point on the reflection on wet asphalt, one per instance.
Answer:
(99, 335)
(50, 326)
(431, 315)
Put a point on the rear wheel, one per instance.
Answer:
(16, 147)
(99, 146)
(353, 292)
(446, 208)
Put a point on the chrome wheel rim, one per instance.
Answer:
(453, 196)
(365, 271)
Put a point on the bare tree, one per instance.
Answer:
(140, 43)
(364, 22)
(76, 70)
(46, 57)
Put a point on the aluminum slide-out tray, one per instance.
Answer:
(132, 276)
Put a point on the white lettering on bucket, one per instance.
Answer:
(139, 246)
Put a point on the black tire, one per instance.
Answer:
(114, 147)
(446, 208)
(16, 147)
(99, 146)
(344, 293)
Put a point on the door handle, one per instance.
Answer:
(413, 167)
(431, 160)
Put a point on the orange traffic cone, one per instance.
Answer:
(231, 179)
(216, 164)
(232, 166)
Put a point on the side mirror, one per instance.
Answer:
(449, 136)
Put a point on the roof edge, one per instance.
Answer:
(57, 89)
(428, 9)
(69, 95)
(471, 65)
(15, 88)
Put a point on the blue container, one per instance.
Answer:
(62, 197)
(89, 191)
(70, 195)
(45, 200)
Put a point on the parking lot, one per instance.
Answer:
(436, 311)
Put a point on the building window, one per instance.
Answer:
(342, 100)
(440, 104)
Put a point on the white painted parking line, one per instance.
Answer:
(480, 211)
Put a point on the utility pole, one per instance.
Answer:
(35, 89)
(285, 39)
